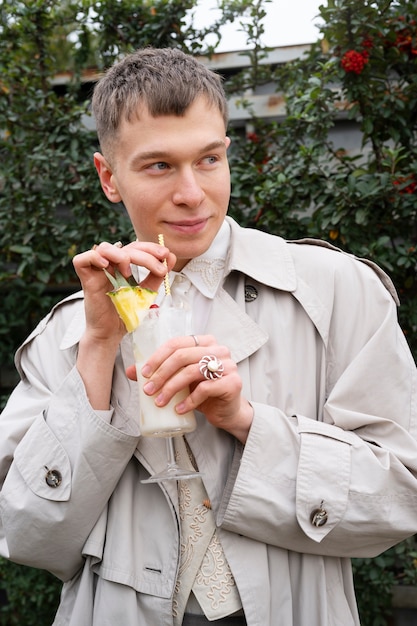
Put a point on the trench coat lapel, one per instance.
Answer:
(233, 328)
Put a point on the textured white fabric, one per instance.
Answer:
(203, 566)
(206, 271)
(199, 281)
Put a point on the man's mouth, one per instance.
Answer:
(188, 226)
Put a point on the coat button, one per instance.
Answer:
(251, 293)
(53, 478)
(319, 516)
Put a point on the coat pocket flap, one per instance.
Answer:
(323, 480)
(43, 463)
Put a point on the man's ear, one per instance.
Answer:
(106, 177)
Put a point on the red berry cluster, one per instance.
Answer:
(368, 43)
(406, 42)
(405, 36)
(354, 61)
(253, 137)
(406, 188)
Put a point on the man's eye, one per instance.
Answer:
(160, 166)
(210, 160)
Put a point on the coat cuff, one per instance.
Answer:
(290, 467)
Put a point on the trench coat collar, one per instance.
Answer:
(265, 258)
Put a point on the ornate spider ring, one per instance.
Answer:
(211, 367)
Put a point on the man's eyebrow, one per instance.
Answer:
(163, 155)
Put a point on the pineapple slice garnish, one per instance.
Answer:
(129, 299)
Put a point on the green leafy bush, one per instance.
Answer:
(375, 579)
(32, 595)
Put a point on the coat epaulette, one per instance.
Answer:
(383, 276)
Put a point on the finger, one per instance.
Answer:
(165, 386)
(157, 259)
(146, 254)
(173, 347)
(131, 372)
(115, 256)
(89, 259)
(218, 397)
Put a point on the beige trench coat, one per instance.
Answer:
(333, 387)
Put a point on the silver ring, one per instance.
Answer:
(211, 367)
(197, 343)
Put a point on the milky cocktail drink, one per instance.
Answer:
(151, 326)
(156, 327)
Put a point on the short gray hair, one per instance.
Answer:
(165, 80)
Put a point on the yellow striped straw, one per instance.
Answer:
(166, 279)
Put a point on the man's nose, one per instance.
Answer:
(188, 190)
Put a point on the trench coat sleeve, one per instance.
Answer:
(357, 463)
(49, 425)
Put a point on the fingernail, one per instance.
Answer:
(159, 400)
(180, 407)
(149, 388)
(146, 371)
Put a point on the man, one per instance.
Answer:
(306, 442)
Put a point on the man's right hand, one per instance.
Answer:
(104, 329)
(101, 317)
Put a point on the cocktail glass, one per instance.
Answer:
(157, 326)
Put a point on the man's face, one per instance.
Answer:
(172, 175)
